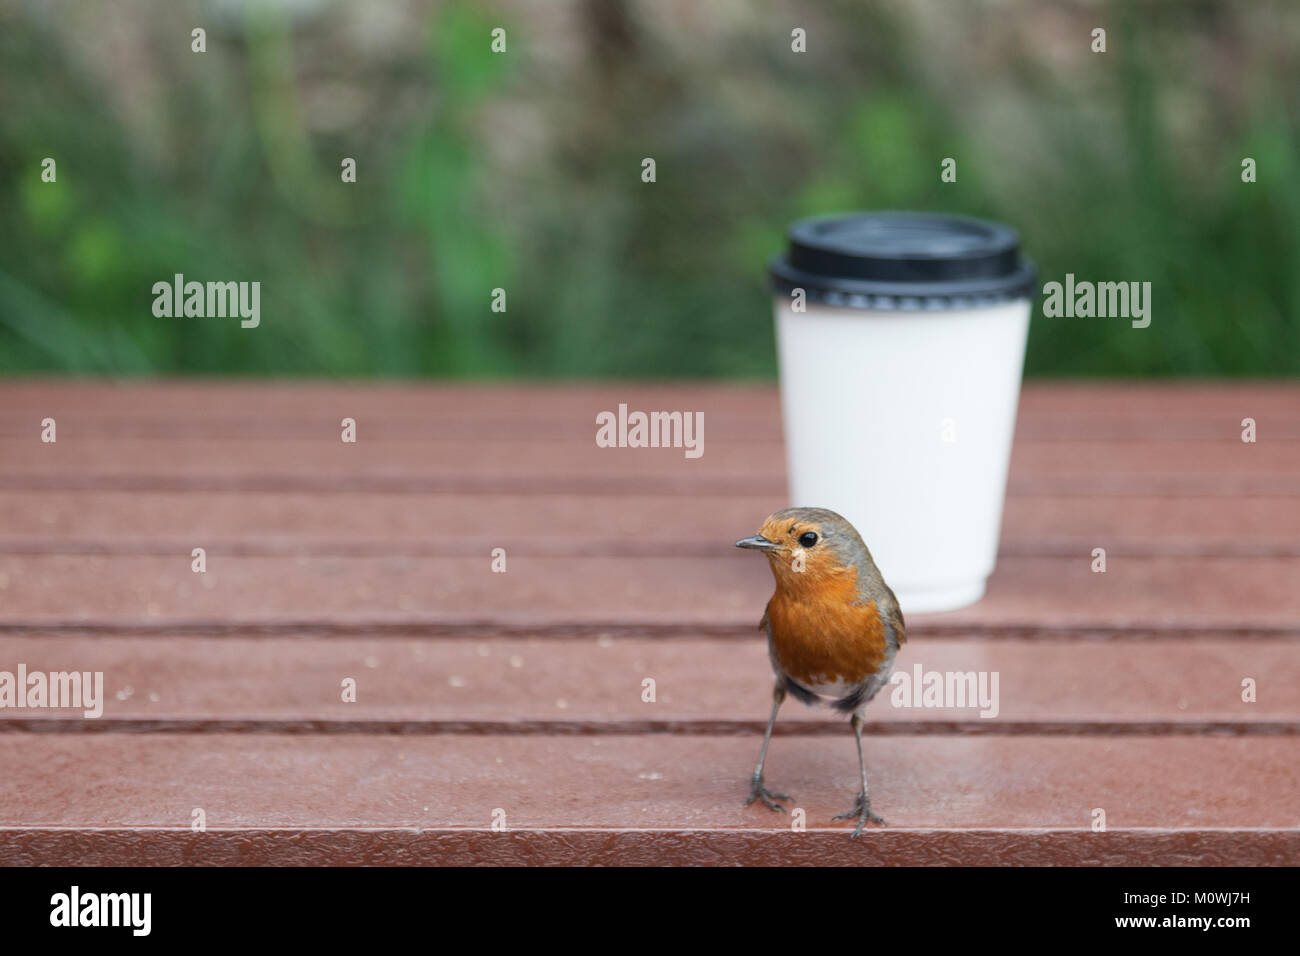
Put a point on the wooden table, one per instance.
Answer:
(518, 696)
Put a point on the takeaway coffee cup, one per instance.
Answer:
(901, 338)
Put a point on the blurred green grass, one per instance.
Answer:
(508, 173)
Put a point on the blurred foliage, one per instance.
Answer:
(522, 171)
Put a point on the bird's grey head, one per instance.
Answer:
(824, 538)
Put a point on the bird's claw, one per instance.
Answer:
(757, 791)
(862, 813)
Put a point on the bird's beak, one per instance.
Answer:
(757, 543)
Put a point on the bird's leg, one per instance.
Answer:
(862, 809)
(757, 791)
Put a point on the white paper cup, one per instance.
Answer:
(899, 387)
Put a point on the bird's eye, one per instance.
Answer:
(807, 539)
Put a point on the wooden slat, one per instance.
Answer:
(1086, 410)
(539, 465)
(630, 846)
(685, 593)
(431, 410)
(590, 685)
(122, 522)
(1051, 410)
(129, 798)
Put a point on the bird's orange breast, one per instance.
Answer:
(820, 636)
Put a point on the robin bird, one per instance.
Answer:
(833, 628)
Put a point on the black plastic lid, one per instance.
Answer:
(906, 261)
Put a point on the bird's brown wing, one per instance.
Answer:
(894, 616)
